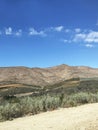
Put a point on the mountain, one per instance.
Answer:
(20, 80)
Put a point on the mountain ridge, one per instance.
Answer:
(45, 76)
(25, 81)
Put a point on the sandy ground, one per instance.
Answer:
(78, 118)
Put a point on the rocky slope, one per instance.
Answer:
(22, 77)
(47, 76)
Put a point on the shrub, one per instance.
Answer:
(18, 107)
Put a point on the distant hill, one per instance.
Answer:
(24, 80)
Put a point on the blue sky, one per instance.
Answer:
(43, 33)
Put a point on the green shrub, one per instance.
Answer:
(18, 107)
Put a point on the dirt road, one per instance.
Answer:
(78, 118)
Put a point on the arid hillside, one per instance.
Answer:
(46, 76)
(20, 80)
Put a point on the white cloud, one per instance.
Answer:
(58, 28)
(54, 29)
(8, 31)
(18, 33)
(79, 37)
(90, 37)
(77, 30)
(89, 45)
(32, 32)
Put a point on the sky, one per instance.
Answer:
(45, 33)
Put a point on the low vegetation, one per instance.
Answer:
(17, 107)
(65, 94)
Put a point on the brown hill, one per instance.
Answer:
(47, 76)
(22, 77)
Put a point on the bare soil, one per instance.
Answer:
(77, 118)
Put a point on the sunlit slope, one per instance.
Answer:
(20, 81)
